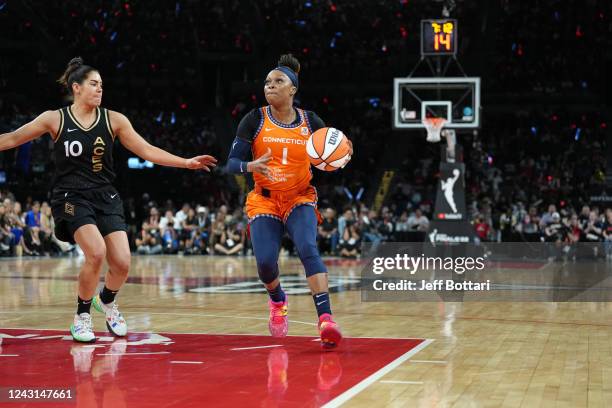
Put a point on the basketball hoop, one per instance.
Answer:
(433, 126)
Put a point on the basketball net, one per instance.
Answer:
(433, 126)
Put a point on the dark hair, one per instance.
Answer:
(289, 61)
(76, 71)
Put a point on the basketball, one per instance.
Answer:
(328, 149)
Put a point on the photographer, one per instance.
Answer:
(328, 232)
(351, 239)
(202, 233)
(229, 242)
(169, 235)
(146, 244)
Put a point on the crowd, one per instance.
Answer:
(28, 229)
(522, 160)
(220, 230)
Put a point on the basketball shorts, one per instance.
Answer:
(279, 204)
(100, 206)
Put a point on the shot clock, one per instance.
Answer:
(438, 37)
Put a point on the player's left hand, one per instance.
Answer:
(350, 152)
(201, 162)
(350, 146)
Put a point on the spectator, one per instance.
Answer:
(347, 217)
(203, 231)
(547, 216)
(17, 227)
(146, 242)
(328, 232)
(47, 226)
(607, 234)
(418, 221)
(574, 233)
(402, 227)
(387, 226)
(6, 236)
(349, 244)
(371, 227)
(169, 236)
(483, 229)
(190, 228)
(179, 217)
(32, 217)
(229, 242)
(583, 218)
(593, 232)
(151, 225)
(217, 230)
(554, 230)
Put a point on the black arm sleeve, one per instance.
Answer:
(248, 126)
(315, 121)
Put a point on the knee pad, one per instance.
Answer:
(267, 268)
(309, 255)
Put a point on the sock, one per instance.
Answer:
(322, 304)
(84, 306)
(277, 294)
(107, 296)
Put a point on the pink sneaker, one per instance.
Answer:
(329, 331)
(278, 323)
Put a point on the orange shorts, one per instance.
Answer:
(279, 204)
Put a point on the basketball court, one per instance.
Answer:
(199, 337)
(198, 333)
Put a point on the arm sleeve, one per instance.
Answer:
(315, 121)
(238, 156)
(241, 146)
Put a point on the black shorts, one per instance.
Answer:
(100, 206)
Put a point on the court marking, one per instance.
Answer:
(257, 347)
(315, 338)
(345, 315)
(365, 383)
(186, 362)
(133, 354)
(9, 355)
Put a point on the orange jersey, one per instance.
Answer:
(290, 165)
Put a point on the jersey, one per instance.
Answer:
(83, 156)
(290, 165)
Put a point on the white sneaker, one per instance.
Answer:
(81, 357)
(82, 328)
(115, 322)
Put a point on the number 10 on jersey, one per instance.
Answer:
(74, 148)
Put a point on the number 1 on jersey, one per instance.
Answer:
(285, 152)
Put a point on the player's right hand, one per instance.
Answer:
(260, 165)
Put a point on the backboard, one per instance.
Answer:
(457, 99)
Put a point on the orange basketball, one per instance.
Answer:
(328, 149)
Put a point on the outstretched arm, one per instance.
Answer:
(47, 122)
(139, 146)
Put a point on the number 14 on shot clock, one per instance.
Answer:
(438, 37)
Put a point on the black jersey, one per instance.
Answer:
(83, 156)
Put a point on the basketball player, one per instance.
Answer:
(283, 198)
(86, 207)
